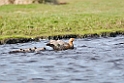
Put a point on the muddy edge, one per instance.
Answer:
(24, 40)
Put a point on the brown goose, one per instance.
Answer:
(61, 45)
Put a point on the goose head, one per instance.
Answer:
(71, 42)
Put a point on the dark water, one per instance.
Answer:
(98, 60)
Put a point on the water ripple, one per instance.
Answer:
(99, 60)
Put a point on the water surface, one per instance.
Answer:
(94, 60)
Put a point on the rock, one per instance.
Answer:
(5, 2)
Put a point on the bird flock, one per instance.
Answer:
(57, 45)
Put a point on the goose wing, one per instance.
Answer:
(63, 45)
(52, 43)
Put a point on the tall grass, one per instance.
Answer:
(77, 17)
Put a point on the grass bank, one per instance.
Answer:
(78, 17)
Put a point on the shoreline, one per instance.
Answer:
(78, 19)
(26, 40)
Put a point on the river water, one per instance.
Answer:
(94, 60)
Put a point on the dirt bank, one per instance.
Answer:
(24, 40)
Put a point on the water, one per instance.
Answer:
(99, 60)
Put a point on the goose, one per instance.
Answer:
(40, 49)
(61, 45)
(19, 51)
(34, 49)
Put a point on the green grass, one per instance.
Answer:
(77, 17)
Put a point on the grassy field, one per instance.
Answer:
(77, 17)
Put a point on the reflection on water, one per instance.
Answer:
(98, 60)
